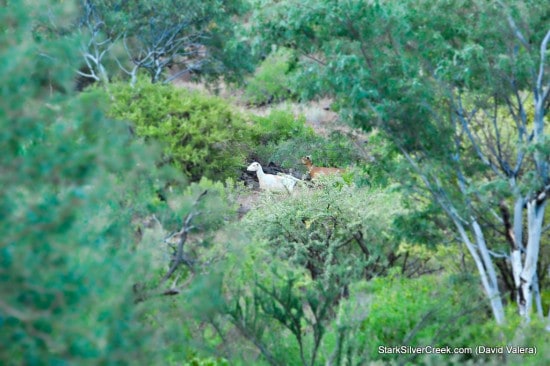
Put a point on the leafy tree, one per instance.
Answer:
(308, 250)
(71, 181)
(464, 104)
(199, 37)
(329, 232)
(292, 286)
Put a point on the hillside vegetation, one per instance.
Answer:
(133, 233)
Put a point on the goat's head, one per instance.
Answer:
(254, 167)
(306, 160)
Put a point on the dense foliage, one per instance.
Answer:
(131, 233)
(202, 136)
(332, 232)
(67, 264)
(270, 82)
(465, 106)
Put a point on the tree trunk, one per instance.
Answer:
(535, 217)
(484, 266)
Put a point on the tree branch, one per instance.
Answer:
(514, 27)
(180, 257)
(539, 86)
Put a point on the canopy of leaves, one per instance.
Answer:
(196, 36)
(338, 233)
(88, 275)
(66, 260)
(461, 89)
(389, 63)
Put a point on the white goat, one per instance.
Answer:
(270, 182)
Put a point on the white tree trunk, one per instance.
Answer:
(535, 217)
(479, 253)
(517, 247)
(538, 299)
(485, 267)
(492, 291)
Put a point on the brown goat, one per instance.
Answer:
(315, 171)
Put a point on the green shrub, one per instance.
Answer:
(211, 361)
(429, 310)
(337, 232)
(270, 82)
(279, 125)
(205, 136)
(334, 151)
(513, 333)
(303, 253)
(201, 135)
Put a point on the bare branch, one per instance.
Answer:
(182, 234)
(464, 121)
(91, 75)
